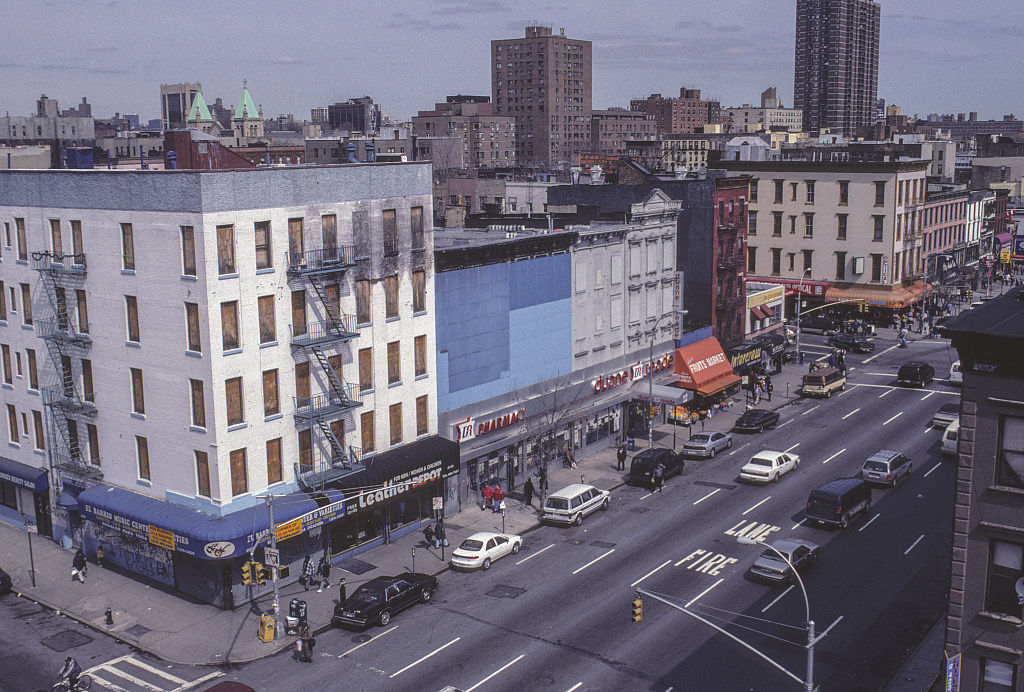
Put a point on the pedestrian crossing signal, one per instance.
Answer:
(259, 574)
(247, 573)
(638, 609)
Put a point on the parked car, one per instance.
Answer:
(946, 414)
(5, 582)
(641, 468)
(956, 376)
(379, 599)
(915, 373)
(819, 325)
(886, 467)
(756, 420)
(707, 444)
(838, 501)
(950, 437)
(855, 344)
(483, 548)
(770, 566)
(572, 503)
(766, 466)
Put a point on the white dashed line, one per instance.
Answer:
(887, 392)
(919, 538)
(667, 562)
(777, 598)
(697, 597)
(756, 506)
(594, 560)
(424, 658)
(535, 554)
(809, 410)
(355, 648)
(929, 394)
(932, 469)
(867, 524)
(834, 455)
(893, 418)
(798, 523)
(707, 496)
(514, 660)
(851, 413)
(793, 447)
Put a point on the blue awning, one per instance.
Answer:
(31, 477)
(191, 531)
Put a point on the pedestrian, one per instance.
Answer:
(496, 498)
(659, 477)
(528, 491)
(620, 456)
(768, 387)
(440, 534)
(542, 477)
(99, 555)
(305, 644)
(487, 494)
(78, 566)
(324, 570)
(306, 576)
(428, 535)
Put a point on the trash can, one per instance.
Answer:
(266, 628)
(296, 617)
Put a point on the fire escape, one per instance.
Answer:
(729, 295)
(64, 338)
(329, 457)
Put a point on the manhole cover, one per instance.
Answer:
(503, 591)
(356, 566)
(544, 681)
(138, 630)
(602, 544)
(576, 541)
(361, 638)
(68, 639)
(640, 510)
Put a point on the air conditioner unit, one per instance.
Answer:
(858, 265)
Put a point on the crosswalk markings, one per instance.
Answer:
(109, 676)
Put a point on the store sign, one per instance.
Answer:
(469, 428)
(402, 483)
(637, 371)
(748, 355)
(218, 549)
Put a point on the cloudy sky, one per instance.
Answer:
(937, 56)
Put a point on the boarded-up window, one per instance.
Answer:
(83, 311)
(329, 224)
(8, 369)
(132, 314)
(274, 474)
(394, 364)
(33, 372)
(264, 256)
(142, 454)
(233, 396)
(302, 384)
(229, 325)
(361, 233)
(390, 224)
(198, 403)
(420, 348)
(138, 397)
(298, 313)
(268, 320)
(94, 443)
(26, 304)
(12, 423)
(88, 392)
(365, 369)
(305, 450)
(366, 431)
(395, 423)
(188, 251)
(335, 363)
(271, 401)
(192, 324)
(74, 446)
(419, 291)
(202, 474)
(37, 421)
(296, 245)
(363, 302)
(422, 417)
(67, 376)
(416, 227)
(338, 443)
(3, 302)
(22, 240)
(127, 247)
(239, 473)
(391, 297)
(56, 241)
(333, 302)
(76, 242)
(61, 299)
(225, 250)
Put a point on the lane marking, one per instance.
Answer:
(792, 448)
(867, 524)
(919, 539)
(809, 410)
(757, 505)
(893, 418)
(928, 429)
(704, 592)
(155, 671)
(594, 560)
(647, 495)
(784, 424)
(932, 469)
(201, 680)
(928, 395)
(134, 681)
(707, 496)
(887, 392)
(535, 554)
(667, 562)
(798, 523)
(514, 660)
(424, 658)
(575, 687)
(355, 648)
(834, 455)
(104, 683)
(776, 600)
(851, 413)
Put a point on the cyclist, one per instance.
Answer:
(70, 672)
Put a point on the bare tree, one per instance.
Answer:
(551, 407)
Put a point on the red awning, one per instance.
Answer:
(768, 312)
(701, 364)
(757, 314)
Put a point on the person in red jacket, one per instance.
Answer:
(497, 498)
(486, 493)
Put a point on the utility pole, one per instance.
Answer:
(273, 569)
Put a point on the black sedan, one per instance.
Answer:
(756, 420)
(379, 599)
(857, 344)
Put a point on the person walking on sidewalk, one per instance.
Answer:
(324, 570)
(306, 577)
(306, 643)
(528, 491)
(440, 534)
(486, 493)
(78, 566)
(99, 555)
(659, 478)
(496, 498)
(620, 457)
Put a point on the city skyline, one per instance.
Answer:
(395, 53)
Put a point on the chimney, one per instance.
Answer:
(371, 154)
(351, 147)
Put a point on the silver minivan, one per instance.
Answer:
(886, 467)
(949, 438)
(570, 504)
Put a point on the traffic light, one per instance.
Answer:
(259, 573)
(970, 293)
(638, 609)
(247, 573)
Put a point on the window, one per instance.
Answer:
(395, 423)
(198, 403)
(26, 304)
(751, 260)
(3, 302)
(876, 267)
(271, 401)
(127, 248)
(337, 440)
(363, 301)
(366, 431)
(268, 320)
(131, 307)
(778, 191)
(93, 434)
(808, 225)
(233, 397)
(67, 376)
(792, 225)
(22, 241)
(844, 191)
(192, 327)
(776, 223)
(416, 225)
(420, 355)
(295, 242)
(776, 261)
(55, 240)
(1011, 451)
(302, 385)
(810, 191)
(37, 424)
(61, 300)
(142, 455)
(83, 311)
(33, 372)
(329, 232)
(88, 391)
(879, 223)
(361, 233)
(138, 395)
(997, 676)
(188, 251)
(298, 313)
(390, 297)
(793, 187)
(419, 291)
(752, 223)
(202, 474)
(422, 421)
(12, 423)
(840, 266)
(332, 301)
(753, 190)
(365, 369)
(841, 221)
(229, 325)
(1005, 567)
(879, 194)
(274, 471)
(305, 450)
(390, 223)
(264, 258)
(394, 366)
(225, 250)
(74, 447)
(239, 473)
(8, 371)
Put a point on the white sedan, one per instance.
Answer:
(766, 466)
(481, 549)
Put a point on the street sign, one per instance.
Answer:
(32, 528)
(272, 557)
(438, 503)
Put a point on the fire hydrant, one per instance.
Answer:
(110, 617)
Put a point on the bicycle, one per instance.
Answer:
(84, 682)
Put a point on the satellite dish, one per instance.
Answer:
(1019, 586)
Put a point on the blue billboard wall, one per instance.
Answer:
(501, 327)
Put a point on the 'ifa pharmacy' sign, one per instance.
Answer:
(469, 429)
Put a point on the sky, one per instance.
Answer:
(936, 56)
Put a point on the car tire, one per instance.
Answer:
(712, 452)
(760, 428)
(426, 595)
(843, 522)
(728, 445)
(775, 479)
(487, 563)
(385, 618)
(842, 387)
(604, 505)
(577, 520)
(515, 548)
(828, 394)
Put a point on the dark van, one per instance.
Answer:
(641, 469)
(820, 325)
(915, 373)
(839, 500)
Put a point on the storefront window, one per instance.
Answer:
(8, 495)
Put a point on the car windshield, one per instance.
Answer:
(875, 466)
(471, 544)
(701, 438)
(950, 408)
(760, 461)
(365, 596)
(557, 503)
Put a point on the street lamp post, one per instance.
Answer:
(799, 310)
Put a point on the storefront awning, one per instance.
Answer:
(660, 393)
(775, 342)
(1004, 238)
(757, 314)
(26, 476)
(704, 367)
(429, 459)
(897, 297)
(921, 289)
(719, 384)
(768, 312)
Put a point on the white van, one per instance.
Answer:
(955, 375)
(949, 438)
(570, 504)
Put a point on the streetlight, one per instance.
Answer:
(799, 311)
(650, 374)
(809, 680)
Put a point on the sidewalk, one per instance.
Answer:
(175, 629)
